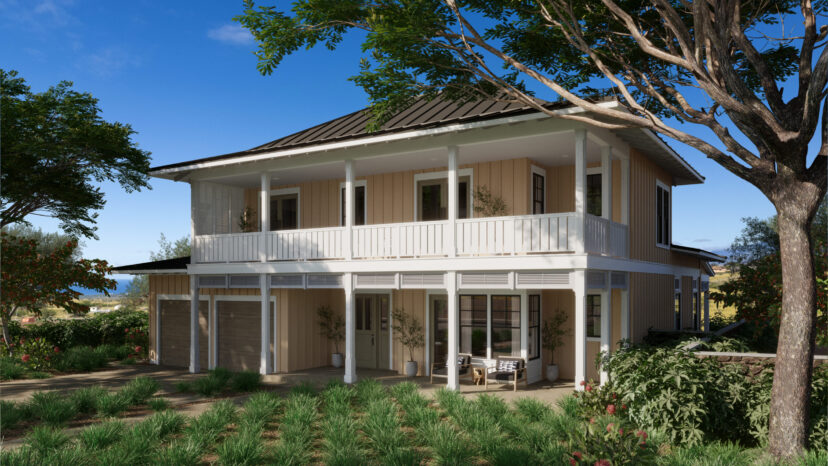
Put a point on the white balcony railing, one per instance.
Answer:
(529, 234)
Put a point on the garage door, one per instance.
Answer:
(239, 334)
(175, 333)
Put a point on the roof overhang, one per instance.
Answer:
(700, 253)
(167, 266)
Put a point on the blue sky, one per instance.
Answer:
(184, 76)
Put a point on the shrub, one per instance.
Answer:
(246, 381)
(158, 404)
(140, 389)
(92, 330)
(86, 399)
(37, 353)
(81, 359)
(112, 404)
(52, 408)
(180, 453)
(45, 440)
(100, 436)
(11, 414)
(261, 407)
(10, 369)
(610, 439)
(244, 448)
(447, 444)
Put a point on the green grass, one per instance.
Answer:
(12, 414)
(100, 436)
(52, 408)
(246, 381)
(296, 429)
(10, 369)
(139, 390)
(81, 359)
(86, 399)
(45, 440)
(111, 404)
(158, 404)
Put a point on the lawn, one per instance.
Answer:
(366, 424)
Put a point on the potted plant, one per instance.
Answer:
(553, 333)
(333, 327)
(246, 220)
(410, 333)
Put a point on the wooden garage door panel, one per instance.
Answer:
(175, 333)
(239, 334)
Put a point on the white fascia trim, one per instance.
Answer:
(228, 297)
(151, 272)
(375, 140)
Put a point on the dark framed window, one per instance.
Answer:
(432, 198)
(593, 315)
(534, 326)
(662, 216)
(696, 309)
(284, 212)
(677, 309)
(593, 194)
(538, 193)
(505, 326)
(473, 328)
(359, 205)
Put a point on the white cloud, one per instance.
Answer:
(109, 61)
(231, 34)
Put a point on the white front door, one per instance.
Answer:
(366, 331)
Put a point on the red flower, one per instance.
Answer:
(47, 358)
(25, 358)
(620, 431)
(583, 383)
(610, 426)
(126, 330)
(643, 444)
(588, 388)
(572, 461)
(614, 396)
(602, 463)
(610, 409)
(623, 406)
(577, 454)
(137, 349)
(592, 420)
(57, 350)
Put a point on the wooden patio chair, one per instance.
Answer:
(507, 369)
(464, 367)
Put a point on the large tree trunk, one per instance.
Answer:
(789, 409)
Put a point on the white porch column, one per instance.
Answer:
(349, 208)
(579, 287)
(606, 327)
(195, 326)
(350, 329)
(606, 182)
(625, 311)
(266, 359)
(264, 216)
(452, 200)
(453, 330)
(580, 188)
(524, 325)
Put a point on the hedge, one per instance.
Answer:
(91, 330)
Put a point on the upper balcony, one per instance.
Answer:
(560, 192)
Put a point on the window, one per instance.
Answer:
(505, 326)
(662, 215)
(677, 309)
(432, 198)
(534, 326)
(593, 194)
(359, 204)
(593, 316)
(473, 328)
(538, 193)
(284, 211)
(696, 301)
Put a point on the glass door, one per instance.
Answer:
(439, 319)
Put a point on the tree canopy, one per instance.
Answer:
(57, 150)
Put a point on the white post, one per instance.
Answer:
(195, 326)
(265, 295)
(579, 287)
(580, 188)
(452, 200)
(453, 330)
(606, 182)
(606, 328)
(264, 216)
(349, 208)
(350, 329)
(625, 311)
(194, 198)
(524, 326)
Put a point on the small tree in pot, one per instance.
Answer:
(553, 333)
(333, 327)
(410, 333)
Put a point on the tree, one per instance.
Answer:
(670, 65)
(32, 279)
(47, 243)
(138, 289)
(56, 149)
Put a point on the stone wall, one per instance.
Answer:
(754, 362)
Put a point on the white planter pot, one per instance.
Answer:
(410, 368)
(552, 372)
(336, 360)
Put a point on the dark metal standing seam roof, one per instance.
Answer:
(420, 115)
(179, 263)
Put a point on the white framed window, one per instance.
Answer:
(360, 202)
(662, 214)
(431, 195)
(593, 316)
(594, 192)
(538, 195)
(284, 209)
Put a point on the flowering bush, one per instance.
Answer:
(37, 354)
(609, 440)
(597, 400)
(137, 339)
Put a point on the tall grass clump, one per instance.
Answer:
(296, 434)
(206, 428)
(11, 414)
(86, 399)
(304, 388)
(158, 404)
(100, 436)
(52, 408)
(261, 407)
(10, 369)
(181, 452)
(381, 426)
(140, 389)
(245, 447)
(246, 381)
(81, 359)
(341, 444)
(111, 404)
(44, 440)
(447, 444)
(368, 390)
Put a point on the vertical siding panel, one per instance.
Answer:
(507, 178)
(398, 197)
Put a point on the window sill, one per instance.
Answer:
(596, 339)
(663, 246)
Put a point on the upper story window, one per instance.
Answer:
(432, 196)
(538, 191)
(594, 197)
(360, 201)
(284, 209)
(662, 214)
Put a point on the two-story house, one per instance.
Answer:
(367, 222)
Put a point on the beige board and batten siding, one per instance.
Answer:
(414, 303)
(651, 303)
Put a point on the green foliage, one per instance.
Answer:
(246, 381)
(86, 399)
(52, 408)
(36, 354)
(296, 435)
(45, 440)
(487, 204)
(112, 404)
(332, 325)
(139, 390)
(408, 331)
(261, 407)
(241, 449)
(59, 135)
(610, 439)
(110, 328)
(553, 333)
(10, 368)
(158, 404)
(81, 359)
(12, 414)
(100, 436)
